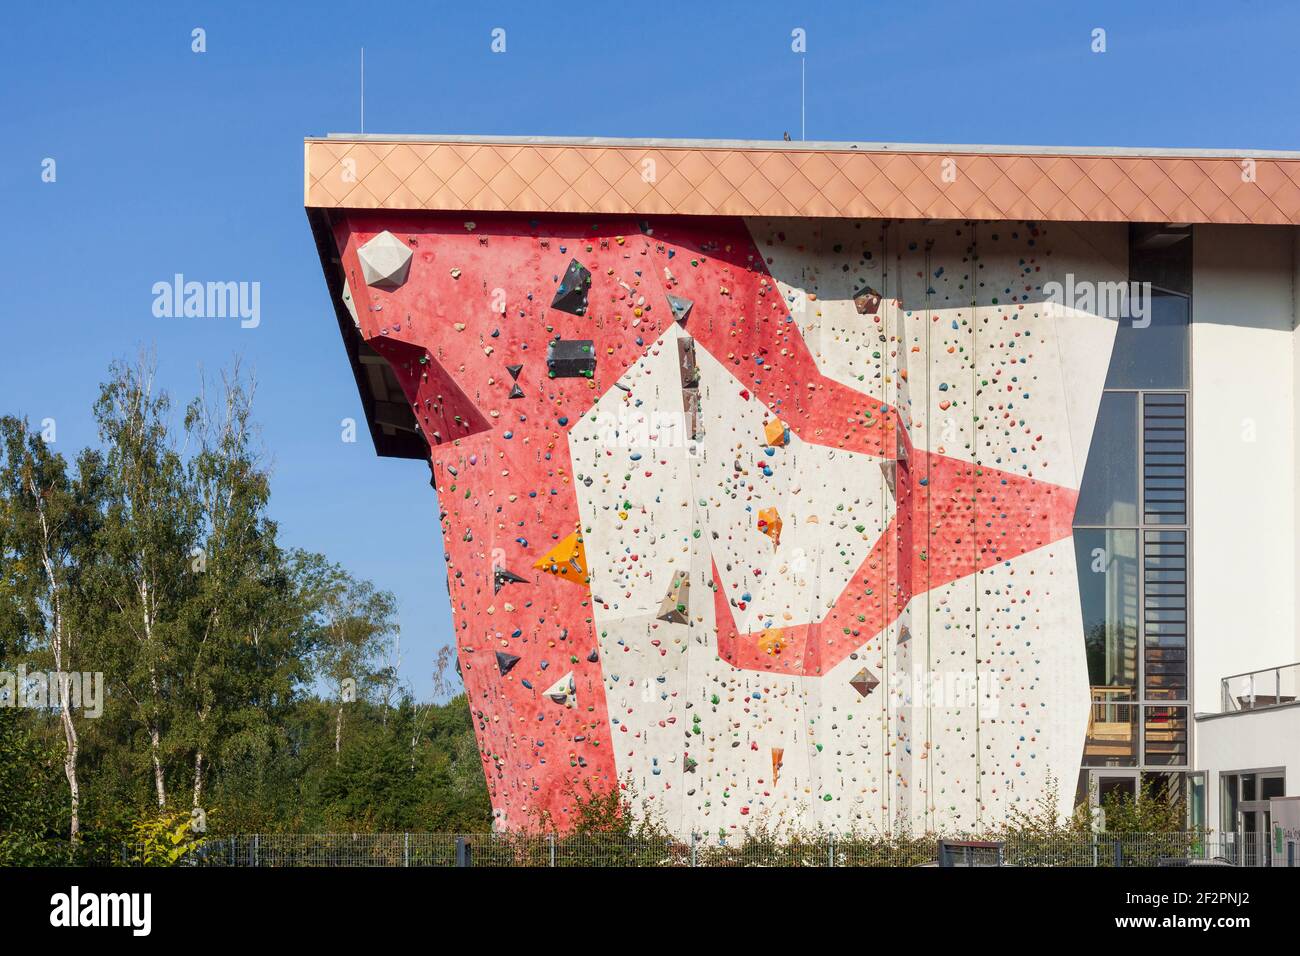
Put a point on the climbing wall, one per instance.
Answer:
(766, 522)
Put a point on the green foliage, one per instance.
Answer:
(1154, 810)
(1042, 817)
(33, 810)
(605, 828)
(154, 561)
(164, 839)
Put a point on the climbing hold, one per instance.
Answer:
(864, 682)
(563, 691)
(501, 577)
(567, 559)
(681, 308)
(866, 300)
(772, 640)
(571, 358)
(349, 303)
(385, 261)
(571, 295)
(674, 607)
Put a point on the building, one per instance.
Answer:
(854, 485)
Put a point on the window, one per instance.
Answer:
(1131, 526)
(1165, 736)
(1151, 351)
(1109, 492)
(1164, 457)
(1196, 800)
(1228, 801)
(1109, 595)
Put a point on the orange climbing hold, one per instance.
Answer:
(776, 433)
(769, 522)
(771, 641)
(777, 754)
(568, 560)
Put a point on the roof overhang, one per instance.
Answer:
(837, 180)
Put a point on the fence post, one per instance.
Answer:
(832, 853)
(257, 849)
(550, 842)
(406, 849)
(692, 848)
(1119, 850)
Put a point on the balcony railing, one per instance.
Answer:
(1256, 690)
(1112, 724)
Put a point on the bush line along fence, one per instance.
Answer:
(610, 850)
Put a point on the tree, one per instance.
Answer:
(155, 561)
(48, 523)
(354, 631)
(243, 648)
(149, 529)
(442, 686)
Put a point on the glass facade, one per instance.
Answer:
(1108, 496)
(1132, 532)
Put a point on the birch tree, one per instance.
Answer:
(149, 530)
(48, 523)
(355, 628)
(244, 648)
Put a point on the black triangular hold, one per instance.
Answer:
(501, 577)
(593, 657)
(681, 307)
(516, 391)
(505, 662)
(514, 371)
(571, 296)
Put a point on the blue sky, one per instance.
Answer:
(170, 161)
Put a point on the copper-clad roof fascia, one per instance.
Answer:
(840, 180)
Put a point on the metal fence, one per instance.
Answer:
(619, 850)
